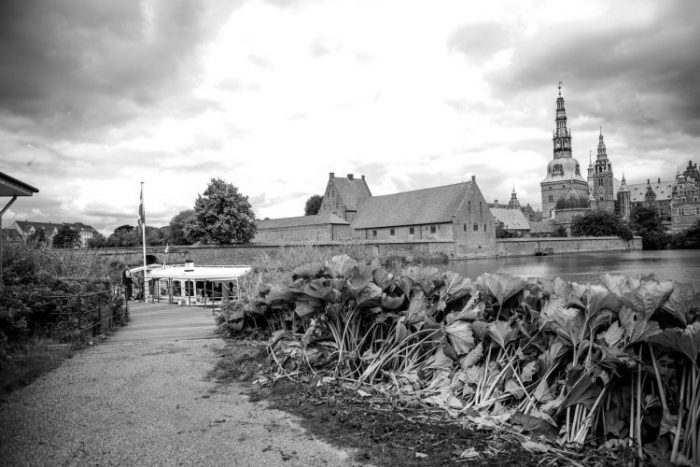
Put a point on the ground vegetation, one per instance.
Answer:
(612, 365)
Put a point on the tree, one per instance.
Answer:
(501, 231)
(124, 235)
(560, 231)
(38, 237)
(66, 237)
(646, 223)
(178, 225)
(690, 239)
(97, 241)
(313, 205)
(600, 224)
(223, 214)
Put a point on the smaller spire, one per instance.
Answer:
(560, 83)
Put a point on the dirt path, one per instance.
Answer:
(136, 400)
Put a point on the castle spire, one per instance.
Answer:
(602, 151)
(562, 135)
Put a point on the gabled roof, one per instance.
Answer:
(10, 186)
(47, 226)
(79, 226)
(301, 221)
(663, 190)
(545, 226)
(351, 191)
(513, 219)
(428, 206)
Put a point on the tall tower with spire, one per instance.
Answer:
(624, 202)
(563, 171)
(600, 180)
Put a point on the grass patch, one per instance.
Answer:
(23, 363)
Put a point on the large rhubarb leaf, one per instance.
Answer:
(501, 286)
(568, 323)
(460, 336)
(682, 301)
(454, 288)
(637, 328)
(686, 341)
(341, 265)
(502, 332)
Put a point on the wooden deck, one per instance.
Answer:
(164, 321)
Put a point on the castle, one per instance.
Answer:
(455, 219)
(566, 194)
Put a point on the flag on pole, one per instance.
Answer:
(142, 211)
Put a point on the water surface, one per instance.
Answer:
(679, 265)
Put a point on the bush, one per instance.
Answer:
(32, 274)
(600, 224)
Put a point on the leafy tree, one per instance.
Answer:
(223, 214)
(690, 239)
(178, 225)
(66, 237)
(124, 235)
(313, 205)
(600, 224)
(646, 223)
(501, 231)
(154, 236)
(97, 241)
(39, 237)
(560, 231)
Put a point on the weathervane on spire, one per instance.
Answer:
(560, 83)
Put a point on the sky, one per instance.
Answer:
(271, 96)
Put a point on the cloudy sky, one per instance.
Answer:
(97, 96)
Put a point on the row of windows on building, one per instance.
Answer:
(433, 229)
(689, 212)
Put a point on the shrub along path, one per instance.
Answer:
(144, 398)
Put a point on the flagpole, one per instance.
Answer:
(142, 216)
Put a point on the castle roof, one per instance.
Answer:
(351, 190)
(663, 189)
(428, 206)
(301, 221)
(513, 219)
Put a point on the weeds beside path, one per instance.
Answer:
(149, 403)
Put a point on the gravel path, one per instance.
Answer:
(140, 401)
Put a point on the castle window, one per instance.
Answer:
(374, 233)
(392, 232)
(465, 227)
(411, 230)
(476, 227)
(481, 210)
(697, 210)
(551, 198)
(484, 227)
(469, 205)
(432, 229)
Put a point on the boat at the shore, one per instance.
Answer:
(187, 284)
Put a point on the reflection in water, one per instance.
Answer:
(679, 265)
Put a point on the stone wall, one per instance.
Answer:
(247, 254)
(564, 245)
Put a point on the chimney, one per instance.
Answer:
(659, 180)
(331, 175)
(473, 178)
(351, 177)
(363, 177)
(495, 201)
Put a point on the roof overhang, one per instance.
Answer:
(10, 186)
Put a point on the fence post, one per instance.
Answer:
(99, 314)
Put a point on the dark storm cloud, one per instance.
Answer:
(479, 41)
(68, 68)
(642, 74)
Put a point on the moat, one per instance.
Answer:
(679, 265)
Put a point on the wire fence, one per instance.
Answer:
(78, 317)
